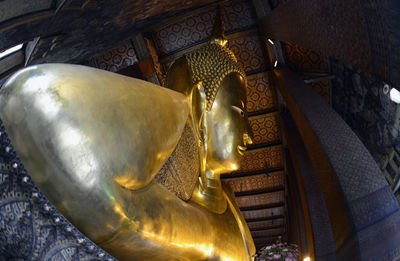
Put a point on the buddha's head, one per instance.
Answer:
(216, 87)
(227, 127)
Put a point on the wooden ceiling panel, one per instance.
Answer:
(261, 225)
(265, 128)
(263, 213)
(258, 200)
(260, 95)
(264, 158)
(257, 182)
(265, 241)
(268, 233)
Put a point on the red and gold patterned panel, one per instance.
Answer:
(266, 224)
(249, 53)
(196, 27)
(264, 199)
(258, 159)
(260, 95)
(263, 213)
(265, 128)
(117, 58)
(257, 182)
(302, 59)
(323, 88)
(268, 233)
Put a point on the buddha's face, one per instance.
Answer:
(227, 126)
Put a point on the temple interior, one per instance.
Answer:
(323, 82)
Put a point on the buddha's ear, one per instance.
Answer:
(197, 105)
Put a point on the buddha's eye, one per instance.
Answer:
(239, 110)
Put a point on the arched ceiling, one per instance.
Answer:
(84, 27)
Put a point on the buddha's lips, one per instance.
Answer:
(241, 149)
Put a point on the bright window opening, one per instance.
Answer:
(11, 50)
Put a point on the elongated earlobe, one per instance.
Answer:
(198, 105)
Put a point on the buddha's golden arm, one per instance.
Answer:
(76, 128)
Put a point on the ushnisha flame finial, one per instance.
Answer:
(217, 34)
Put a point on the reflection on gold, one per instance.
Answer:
(93, 142)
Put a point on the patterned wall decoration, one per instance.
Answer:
(302, 59)
(258, 159)
(265, 128)
(195, 27)
(257, 182)
(260, 94)
(266, 224)
(262, 213)
(249, 52)
(261, 199)
(323, 88)
(117, 58)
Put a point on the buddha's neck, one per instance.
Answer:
(209, 194)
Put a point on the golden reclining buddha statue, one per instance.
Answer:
(93, 141)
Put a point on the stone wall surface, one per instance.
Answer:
(359, 99)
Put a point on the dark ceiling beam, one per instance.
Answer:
(266, 111)
(264, 145)
(251, 173)
(319, 79)
(257, 192)
(267, 227)
(267, 236)
(266, 206)
(248, 220)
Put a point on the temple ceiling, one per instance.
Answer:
(86, 27)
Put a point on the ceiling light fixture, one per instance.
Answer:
(271, 42)
(11, 50)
